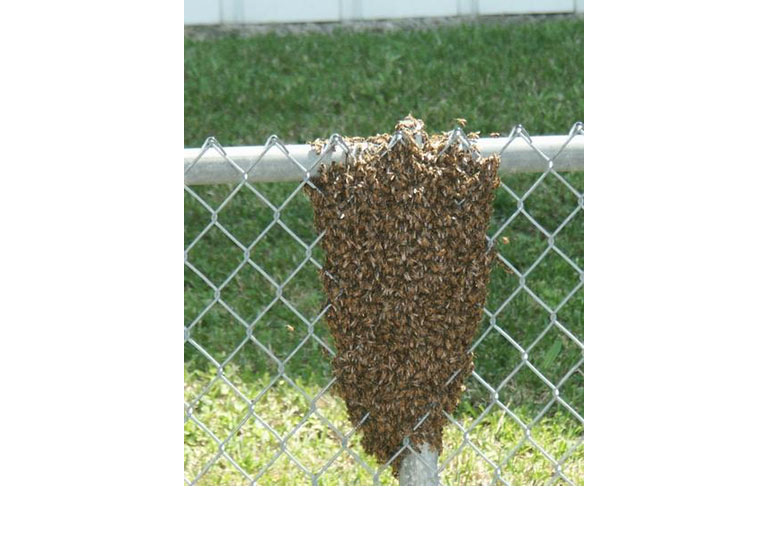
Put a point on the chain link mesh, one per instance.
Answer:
(254, 327)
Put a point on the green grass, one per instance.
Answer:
(308, 86)
(302, 87)
(315, 444)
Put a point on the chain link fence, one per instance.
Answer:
(259, 404)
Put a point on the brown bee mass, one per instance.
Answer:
(406, 272)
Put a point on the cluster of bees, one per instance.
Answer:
(406, 272)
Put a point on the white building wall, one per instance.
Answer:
(273, 11)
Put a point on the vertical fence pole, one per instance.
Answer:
(419, 469)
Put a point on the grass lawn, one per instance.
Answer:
(308, 86)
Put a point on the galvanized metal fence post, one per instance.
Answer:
(419, 467)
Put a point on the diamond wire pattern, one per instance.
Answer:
(457, 137)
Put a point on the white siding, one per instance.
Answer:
(201, 12)
(496, 7)
(266, 11)
(399, 9)
(257, 11)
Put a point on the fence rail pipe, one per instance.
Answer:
(274, 166)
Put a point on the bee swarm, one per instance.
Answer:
(406, 272)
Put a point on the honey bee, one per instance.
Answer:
(290, 328)
(410, 272)
(461, 121)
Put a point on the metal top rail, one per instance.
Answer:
(278, 162)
